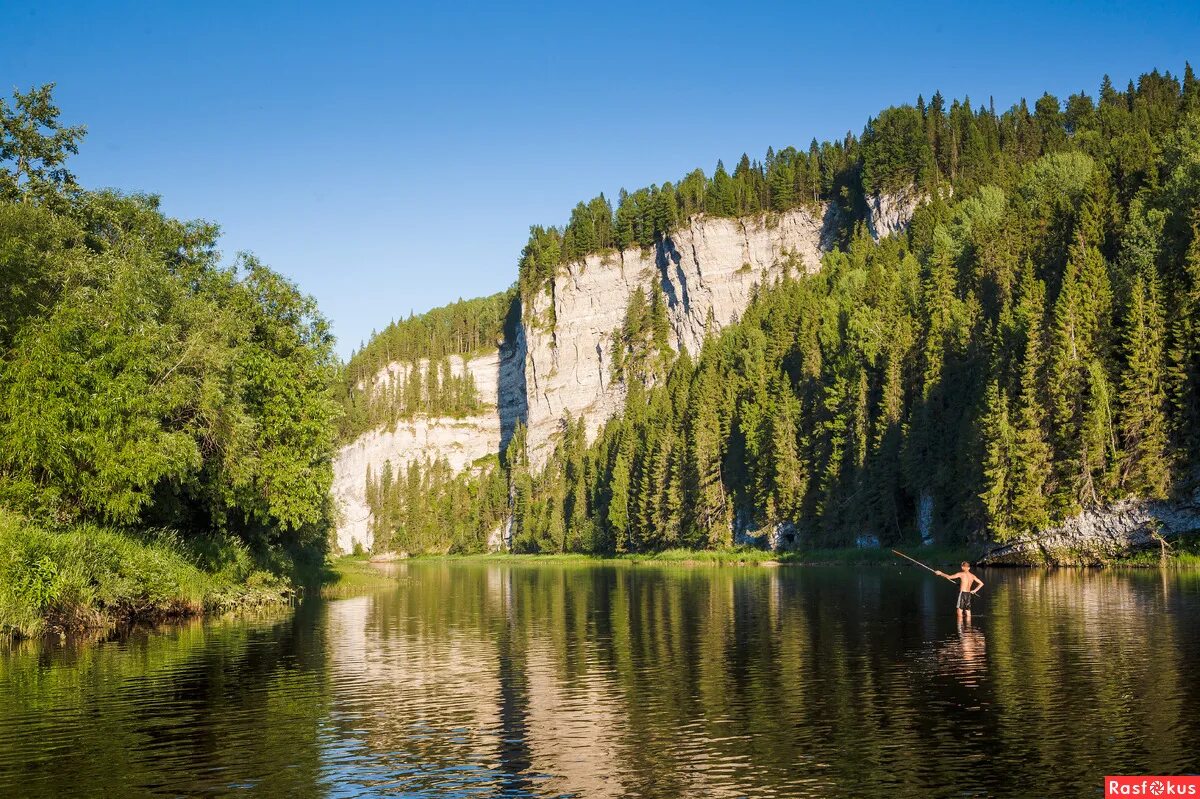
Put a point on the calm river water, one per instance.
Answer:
(493, 679)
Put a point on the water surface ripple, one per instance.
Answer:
(556, 680)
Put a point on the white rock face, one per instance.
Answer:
(499, 381)
(890, 213)
(707, 270)
(708, 266)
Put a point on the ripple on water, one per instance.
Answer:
(487, 680)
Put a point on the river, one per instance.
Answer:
(592, 680)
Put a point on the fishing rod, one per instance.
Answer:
(914, 560)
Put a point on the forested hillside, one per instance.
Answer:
(144, 386)
(421, 346)
(1026, 349)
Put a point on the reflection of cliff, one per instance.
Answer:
(432, 687)
(670, 681)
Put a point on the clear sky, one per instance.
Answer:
(390, 157)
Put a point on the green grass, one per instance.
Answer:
(353, 574)
(935, 556)
(1181, 554)
(90, 577)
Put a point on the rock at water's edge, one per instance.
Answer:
(1102, 535)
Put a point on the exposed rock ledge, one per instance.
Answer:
(891, 212)
(707, 270)
(1102, 535)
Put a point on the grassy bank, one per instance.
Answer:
(90, 576)
(934, 555)
(353, 574)
(1184, 554)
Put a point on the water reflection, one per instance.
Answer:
(594, 681)
(964, 656)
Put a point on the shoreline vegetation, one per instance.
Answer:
(88, 577)
(1184, 554)
(166, 418)
(91, 578)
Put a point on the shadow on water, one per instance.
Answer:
(592, 680)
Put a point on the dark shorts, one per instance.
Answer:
(964, 600)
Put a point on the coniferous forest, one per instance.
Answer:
(1027, 349)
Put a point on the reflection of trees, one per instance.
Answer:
(1092, 661)
(620, 680)
(630, 680)
(188, 710)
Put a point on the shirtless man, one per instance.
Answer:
(965, 582)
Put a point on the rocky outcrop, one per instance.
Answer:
(890, 212)
(706, 270)
(499, 383)
(559, 358)
(1102, 535)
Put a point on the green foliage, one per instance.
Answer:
(51, 580)
(37, 147)
(423, 507)
(896, 152)
(406, 370)
(142, 383)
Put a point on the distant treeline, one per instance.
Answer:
(923, 147)
(430, 387)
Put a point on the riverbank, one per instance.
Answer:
(93, 577)
(1180, 554)
(353, 574)
(736, 556)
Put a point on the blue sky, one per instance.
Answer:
(391, 157)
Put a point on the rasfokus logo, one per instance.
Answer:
(1151, 786)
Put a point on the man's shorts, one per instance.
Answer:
(964, 600)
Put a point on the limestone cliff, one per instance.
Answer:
(890, 213)
(558, 360)
(499, 383)
(706, 270)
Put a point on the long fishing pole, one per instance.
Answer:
(914, 560)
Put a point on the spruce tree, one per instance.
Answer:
(1145, 470)
(998, 464)
(1031, 453)
(618, 506)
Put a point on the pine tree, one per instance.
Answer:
(998, 464)
(704, 485)
(618, 506)
(1031, 454)
(1145, 470)
(788, 477)
(1184, 357)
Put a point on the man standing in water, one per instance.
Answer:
(965, 582)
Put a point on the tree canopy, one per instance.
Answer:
(142, 382)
